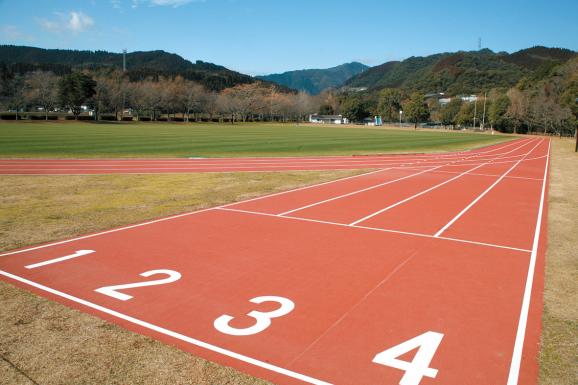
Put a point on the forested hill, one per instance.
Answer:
(462, 72)
(140, 65)
(314, 81)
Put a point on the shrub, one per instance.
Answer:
(42, 117)
(80, 117)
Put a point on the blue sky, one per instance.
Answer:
(265, 36)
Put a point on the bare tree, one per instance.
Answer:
(42, 89)
(194, 99)
(518, 109)
(17, 93)
(210, 103)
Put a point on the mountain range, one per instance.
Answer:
(461, 72)
(139, 64)
(313, 81)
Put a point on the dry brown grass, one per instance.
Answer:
(558, 361)
(43, 342)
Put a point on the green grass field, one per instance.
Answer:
(72, 139)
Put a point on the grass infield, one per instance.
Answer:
(91, 140)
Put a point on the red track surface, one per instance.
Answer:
(156, 166)
(447, 245)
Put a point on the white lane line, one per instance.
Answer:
(415, 196)
(384, 184)
(425, 191)
(303, 188)
(489, 175)
(234, 166)
(376, 229)
(170, 333)
(176, 216)
(477, 199)
(523, 321)
(473, 163)
(403, 166)
(215, 168)
(354, 158)
(357, 191)
(78, 253)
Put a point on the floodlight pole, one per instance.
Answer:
(400, 113)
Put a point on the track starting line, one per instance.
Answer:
(426, 271)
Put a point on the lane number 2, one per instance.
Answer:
(112, 291)
(427, 344)
(262, 319)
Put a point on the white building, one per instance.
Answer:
(469, 98)
(328, 119)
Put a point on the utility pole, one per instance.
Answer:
(123, 90)
(484, 114)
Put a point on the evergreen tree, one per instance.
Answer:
(75, 90)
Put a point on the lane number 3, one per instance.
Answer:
(262, 319)
(426, 343)
(112, 291)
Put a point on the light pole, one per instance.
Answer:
(400, 113)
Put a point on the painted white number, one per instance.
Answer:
(427, 345)
(263, 319)
(112, 290)
(77, 253)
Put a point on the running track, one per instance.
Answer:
(426, 271)
(183, 165)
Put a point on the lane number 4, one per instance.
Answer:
(426, 343)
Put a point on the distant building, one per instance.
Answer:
(444, 101)
(469, 98)
(436, 95)
(328, 119)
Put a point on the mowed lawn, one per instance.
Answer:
(76, 139)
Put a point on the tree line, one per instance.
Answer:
(107, 93)
(543, 102)
(546, 105)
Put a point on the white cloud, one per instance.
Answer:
(79, 22)
(72, 21)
